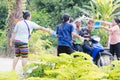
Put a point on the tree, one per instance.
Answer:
(55, 8)
(15, 13)
(102, 9)
(3, 18)
(3, 15)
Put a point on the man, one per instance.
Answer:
(86, 33)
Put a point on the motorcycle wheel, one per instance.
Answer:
(104, 60)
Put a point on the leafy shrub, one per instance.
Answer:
(42, 18)
(77, 66)
(2, 40)
(113, 70)
(9, 76)
(103, 36)
(41, 43)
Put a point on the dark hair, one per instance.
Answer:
(117, 20)
(71, 20)
(65, 17)
(26, 15)
(90, 21)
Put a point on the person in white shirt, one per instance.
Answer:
(20, 37)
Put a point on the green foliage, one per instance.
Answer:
(37, 70)
(42, 18)
(113, 70)
(2, 40)
(77, 66)
(37, 78)
(41, 42)
(9, 76)
(103, 36)
(3, 14)
(105, 10)
(56, 8)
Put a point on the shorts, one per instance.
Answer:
(115, 49)
(21, 49)
(64, 49)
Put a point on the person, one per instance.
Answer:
(77, 44)
(64, 32)
(20, 37)
(114, 36)
(71, 20)
(86, 33)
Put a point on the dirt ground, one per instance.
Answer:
(6, 64)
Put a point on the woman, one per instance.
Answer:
(114, 36)
(64, 33)
(21, 35)
(86, 33)
(77, 44)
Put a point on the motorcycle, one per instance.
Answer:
(100, 56)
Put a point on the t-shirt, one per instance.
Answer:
(22, 30)
(85, 31)
(114, 34)
(64, 32)
(77, 30)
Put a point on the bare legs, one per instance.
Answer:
(15, 61)
(24, 61)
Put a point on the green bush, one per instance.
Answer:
(77, 66)
(113, 70)
(103, 36)
(41, 42)
(42, 18)
(2, 40)
(11, 75)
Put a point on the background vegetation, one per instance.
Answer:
(48, 13)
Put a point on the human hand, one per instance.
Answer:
(53, 34)
(87, 39)
(11, 44)
(101, 27)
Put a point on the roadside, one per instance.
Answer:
(6, 64)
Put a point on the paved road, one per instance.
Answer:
(6, 65)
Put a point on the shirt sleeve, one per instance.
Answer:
(16, 27)
(71, 28)
(113, 29)
(35, 26)
(57, 29)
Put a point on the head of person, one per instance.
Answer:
(71, 20)
(65, 17)
(116, 21)
(77, 22)
(26, 15)
(90, 24)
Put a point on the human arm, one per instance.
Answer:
(112, 29)
(45, 29)
(106, 23)
(38, 27)
(12, 37)
(77, 36)
(107, 29)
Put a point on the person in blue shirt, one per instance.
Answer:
(64, 32)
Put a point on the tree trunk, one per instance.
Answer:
(14, 14)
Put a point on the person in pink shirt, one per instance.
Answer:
(114, 36)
